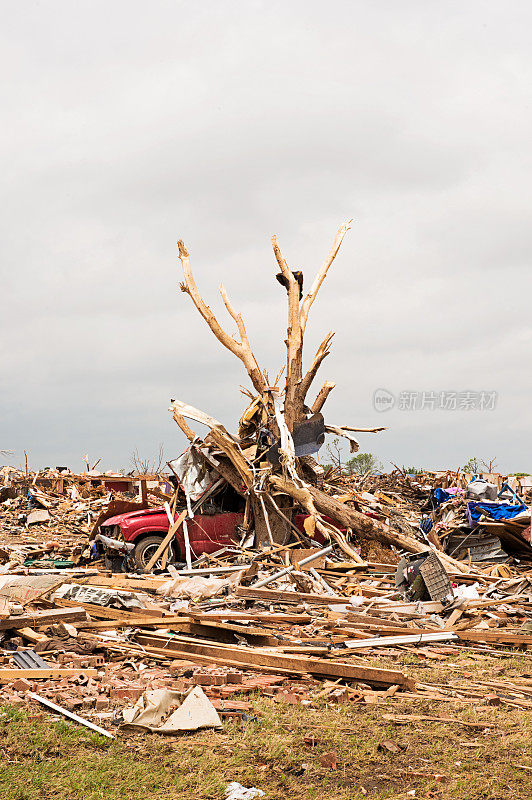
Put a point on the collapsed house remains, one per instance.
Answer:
(149, 603)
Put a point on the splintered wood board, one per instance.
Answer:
(10, 675)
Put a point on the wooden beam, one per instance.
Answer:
(102, 612)
(44, 618)
(166, 541)
(515, 639)
(299, 597)
(256, 658)
(10, 675)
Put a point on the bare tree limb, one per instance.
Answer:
(322, 352)
(323, 394)
(242, 349)
(237, 317)
(297, 385)
(302, 495)
(360, 430)
(294, 338)
(320, 277)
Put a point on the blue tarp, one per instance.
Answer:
(497, 511)
(441, 496)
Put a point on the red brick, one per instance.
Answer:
(72, 703)
(127, 693)
(288, 697)
(207, 679)
(21, 685)
(15, 700)
(234, 676)
(227, 691)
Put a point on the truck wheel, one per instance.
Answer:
(145, 550)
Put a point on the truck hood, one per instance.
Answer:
(131, 515)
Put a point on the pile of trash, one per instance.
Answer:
(159, 602)
(291, 609)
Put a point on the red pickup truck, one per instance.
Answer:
(207, 532)
(148, 527)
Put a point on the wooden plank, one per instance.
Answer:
(182, 624)
(494, 636)
(427, 607)
(210, 626)
(130, 584)
(270, 595)
(166, 541)
(387, 629)
(134, 620)
(454, 617)
(103, 612)
(32, 636)
(368, 619)
(293, 619)
(74, 614)
(517, 598)
(9, 675)
(257, 657)
(174, 620)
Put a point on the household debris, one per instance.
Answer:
(248, 567)
(164, 711)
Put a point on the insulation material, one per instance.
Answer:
(169, 712)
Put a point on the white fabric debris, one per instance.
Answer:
(235, 791)
(165, 711)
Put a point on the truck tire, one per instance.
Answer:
(145, 550)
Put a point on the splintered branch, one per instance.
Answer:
(294, 337)
(241, 349)
(303, 496)
(323, 394)
(237, 317)
(320, 277)
(296, 385)
(322, 352)
(185, 427)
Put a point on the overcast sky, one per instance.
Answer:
(127, 125)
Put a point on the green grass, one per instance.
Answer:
(42, 756)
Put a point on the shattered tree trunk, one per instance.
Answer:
(364, 526)
(297, 385)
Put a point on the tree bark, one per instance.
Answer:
(313, 499)
(323, 394)
(242, 349)
(369, 528)
(297, 385)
